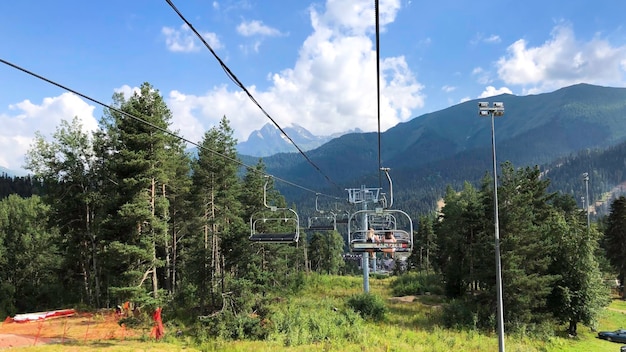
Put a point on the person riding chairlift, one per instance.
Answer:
(371, 237)
(389, 238)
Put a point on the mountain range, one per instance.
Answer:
(452, 145)
(269, 140)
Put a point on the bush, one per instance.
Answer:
(416, 284)
(458, 315)
(230, 327)
(368, 306)
(314, 321)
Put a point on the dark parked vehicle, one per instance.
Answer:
(616, 336)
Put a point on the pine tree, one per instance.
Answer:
(578, 294)
(136, 159)
(615, 237)
(324, 252)
(267, 266)
(30, 262)
(427, 243)
(216, 189)
(180, 212)
(460, 240)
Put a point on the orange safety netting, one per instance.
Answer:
(65, 328)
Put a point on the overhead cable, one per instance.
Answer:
(164, 130)
(380, 166)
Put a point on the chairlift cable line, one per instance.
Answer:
(157, 127)
(238, 83)
(380, 177)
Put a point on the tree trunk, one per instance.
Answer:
(168, 247)
(572, 327)
(174, 257)
(155, 284)
(94, 253)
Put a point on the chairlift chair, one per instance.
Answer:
(325, 221)
(382, 221)
(274, 224)
(357, 232)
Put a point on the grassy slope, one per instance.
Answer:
(408, 326)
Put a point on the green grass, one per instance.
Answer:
(407, 326)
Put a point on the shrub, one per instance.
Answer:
(368, 306)
(235, 327)
(413, 283)
(458, 315)
(314, 321)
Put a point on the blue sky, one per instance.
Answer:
(309, 63)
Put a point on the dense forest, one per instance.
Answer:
(23, 186)
(125, 214)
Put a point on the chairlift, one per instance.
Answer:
(322, 222)
(274, 224)
(389, 235)
(343, 217)
(389, 229)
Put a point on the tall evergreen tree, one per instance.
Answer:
(460, 239)
(29, 258)
(579, 294)
(178, 193)
(324, 252)
(526, 244)
(267, 266)
(615, 237)
(424, 246)
(216, 189)
(137, 160)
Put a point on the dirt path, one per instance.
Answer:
(617, 310)
(11, 340)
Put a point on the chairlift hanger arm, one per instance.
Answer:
(386, 170)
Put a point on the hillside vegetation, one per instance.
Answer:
(126, 215)
(320, 319)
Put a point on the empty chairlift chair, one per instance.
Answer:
(323, 221)
(274, 224)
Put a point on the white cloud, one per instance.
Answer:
(448, 89)
(331, 88)
(492, 39)
(253, 47)
(127, 91)
(491, 91)
(562, 60)
(184, 40)
(354, 17)
(253, 28)
(19, 127)
(482, 76)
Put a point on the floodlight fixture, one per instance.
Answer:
(496, 109)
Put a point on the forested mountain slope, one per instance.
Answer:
(454, 144)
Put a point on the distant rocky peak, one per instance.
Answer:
(269, 140)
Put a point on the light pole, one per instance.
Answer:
(497, 109)
(586, 179)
